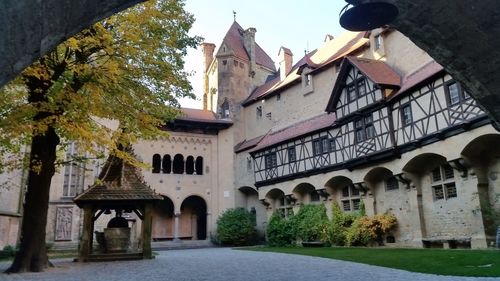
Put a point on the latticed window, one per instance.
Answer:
(271, 160)
(364, 129)
(443, 183)
(391, 184)
(314, 196)
(73, 172)
(292, 154)
(361, 85)
(406, 116)
(284, 208)
(350, 200)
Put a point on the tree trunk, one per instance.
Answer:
(32, 254)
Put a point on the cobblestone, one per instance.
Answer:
(225, 265)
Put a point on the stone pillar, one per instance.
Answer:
(176, 227)
(146, 232)
(87, 235)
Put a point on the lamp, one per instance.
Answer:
(367, 15)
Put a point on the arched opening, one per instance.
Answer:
(156, 163)
(193, 222)
(250, 200)
(424, 163)
(199, 165)
(178, 167)
(190, 165)
(344, 193)
(280, 203)
(306, 193)
(166, 164)
(483, 155)
(163, 220)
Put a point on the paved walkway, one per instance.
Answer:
(225, 265)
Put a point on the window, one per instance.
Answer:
(364, 129)
(391, 184)
(314, 196)
(321, 145)
(356, 89)
(378, 41)
(284, 207)
(406, 116)
(198, 166)
(443, 183)
(190, 165)
(317, 148)
(225, 109)
(361, 85)
(292, 154)
(278, 97)
(156, 163)
(454, 93)
(259, 112)
(271, 160)
(332, 145)
(167, 164)
(73, 173)
(308, 79)
(178, 167)
(350, 199)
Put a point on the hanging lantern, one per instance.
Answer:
(366, 15)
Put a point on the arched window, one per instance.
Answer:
(156, 163)
(190, 165)
(199, 165)
(178, 167)
(166, 164)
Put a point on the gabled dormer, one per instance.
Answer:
(361, 83)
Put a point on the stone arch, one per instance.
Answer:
(306, 192)
(424, 163)
(344, 193)
(279, 201)
(482, 155)
(163, 220)
(250, 201)
(193, 218)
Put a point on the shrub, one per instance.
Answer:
(7, 252)
(336, 231)
(370, 229)
(310, 222)
(236, 227)
(280, 231)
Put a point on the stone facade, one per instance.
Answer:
(399, 134)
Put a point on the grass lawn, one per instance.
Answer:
(435, 261)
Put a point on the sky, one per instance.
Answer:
(297, 25)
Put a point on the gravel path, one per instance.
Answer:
(224, 264)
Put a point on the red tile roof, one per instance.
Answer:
(378, 71)
(420, 75)
(199, 115)
(234, 41)
(301, 128)
(331, 51)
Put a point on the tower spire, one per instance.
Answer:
(234, 15)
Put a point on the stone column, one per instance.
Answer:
(176, 227)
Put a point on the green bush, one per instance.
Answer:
(236, 227)
(280, 231)
(338, 226)
(7, 252)
(310, 222)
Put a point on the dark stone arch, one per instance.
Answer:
(167, 164)
(190, 165)
(163, 219)
(156, 163)
(178, 166)
(199, 165)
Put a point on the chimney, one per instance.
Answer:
(208, 57)
(208, 52)
(286, 59)
(249, 42)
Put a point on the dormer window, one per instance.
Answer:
(259, 112)
(356, 89)
(455, 93)
(307, 81)
(378, 41)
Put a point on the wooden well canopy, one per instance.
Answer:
(121, 188)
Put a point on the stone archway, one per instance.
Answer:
(163, 220)
(193, 218)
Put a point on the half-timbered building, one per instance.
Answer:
(367, 117)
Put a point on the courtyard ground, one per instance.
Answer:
(224, 264)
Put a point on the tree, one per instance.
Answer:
(128, 69)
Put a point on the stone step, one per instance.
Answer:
(114, 257)
(182, 244)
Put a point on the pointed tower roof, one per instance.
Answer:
(234, 41)
(120, 183)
